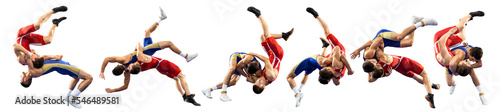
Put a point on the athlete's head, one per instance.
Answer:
(37, 60)
(118, 70)
(369, 65)
(377, 72)
(25, 80)
(325, 74)
(253, 67)
(463, 68)
(259, 85)
(476, 53)
(135, 68)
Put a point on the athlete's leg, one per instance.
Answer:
(87, 79)
(408, 42)
(266, 33)
(425, 81)
(476, 82)
(178, 86)
(183, 83)
(170, 45)
(150, 30)
(48, 39)
(42, 19)
(461, 24)
(73, 83)
(232, 82)
(290, 79)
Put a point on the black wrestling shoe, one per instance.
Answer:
(325, 43)
(430, 98)
(476, 13)
(286, 35)
(436, 86)
(60, 9)
(312, 11)
(57, 21)
(189, 98)
(184, 97)
(254, 11)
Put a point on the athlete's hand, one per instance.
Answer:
(453, 30)
(389, 71)
(350, 72)
(466, 44)
(355, 54)
(251, 53)
(59, 57)
(109, 90)
(102, 76)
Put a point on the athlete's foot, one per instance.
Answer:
(57, 21)
(312, 11)
(298, 98)
(189, 99)
(254, 10)
(207, 93)
(483, 100)
(60, 9)
(73, 102)
(436, 86)
(415, 19)
(430, 99)
(452, 89)
(190, 57)
(325, 43)
(224, 97)
(286, 35)
(162, 15)
(476, 13)
(429, 21)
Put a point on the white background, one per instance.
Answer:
(96, 29)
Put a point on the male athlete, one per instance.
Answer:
(454, 57)
(336, 63)
(25, 35)
(272, 64)
(165, 67)
(53, 63)
(250, 64)
(406, 66)
(150, 49)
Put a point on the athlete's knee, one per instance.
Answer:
(450, 83)
(47, 39)
(167, 43)
(232, 83)
(337, 83)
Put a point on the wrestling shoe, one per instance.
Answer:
(57, 21)
(191, 57)
(483, 100)
(254, 11)
(286, 35)
(60, 9)
(429, 21)
(312, 11)
(298, 98)
(430, 99)
(415, 19)
(476, 13)
(325, 43)
(436, 86)
(452, 89)
(73, 102)
(162, 14)
(189, 99)
(207, 93)
(224, 97)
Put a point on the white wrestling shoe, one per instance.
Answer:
(207, 93)
(191, 56)
(415, 19)
(452, 89)
(298, 98)
(429, 22)
(162, 16)
(483, 100)
(224, 97)
(73, 102)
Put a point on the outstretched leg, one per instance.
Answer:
(171, 46)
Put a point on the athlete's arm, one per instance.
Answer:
(324, 51)
(267, 64)
(107, 60)
(126, 81)
(389, 71)
(478, 64)
(355, 53)
(19, 48)
(442, 45)
(49, 57)
(454, 62)
(373, 48)
(239, 67)
(141, 56)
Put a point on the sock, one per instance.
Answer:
(159, 21)
(214, 88)
(224, 87)
(479, 89)
(183, 54)
(300, 88)
(76, 92)
(418, 24)
(69, 92)
(295, 90)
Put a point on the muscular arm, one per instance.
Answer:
(267, 64)
(141, 56)
(454, 62)
(373, 48)
(48, 57)
(478, 64)
(126, 81)
(355, 53)
(442, 45)
(242, 64)
(19, 48)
